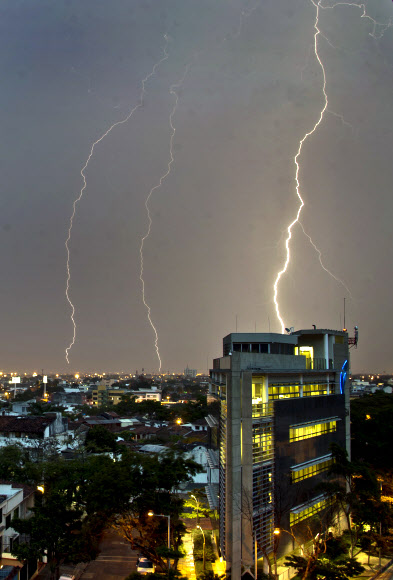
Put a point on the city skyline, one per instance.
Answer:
(252, 91)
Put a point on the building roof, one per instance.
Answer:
(27, 489)
(25, 424)
(153, 449)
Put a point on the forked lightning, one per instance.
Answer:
(78, 199)
(377, 32)
(173, 88)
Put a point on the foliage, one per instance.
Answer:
(196, 505)
(100, 439)
(198, 546)
(57, 530)
(210, 575)
(372, 430)
(322, 567)
(336, 548)
(354, 491)
(153, 483)
(191, 411)
(14, 463)
(38, 408)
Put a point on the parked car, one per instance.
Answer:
(144, 566)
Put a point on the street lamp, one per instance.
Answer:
(197, 506)
(204, 545)
(151, 514)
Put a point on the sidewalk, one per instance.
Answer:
(372, 569)
(186, 565)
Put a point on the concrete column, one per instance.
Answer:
(233, 519)
(247, 471)
(326, 349)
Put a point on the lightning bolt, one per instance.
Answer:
(82, 172)
(244, 14)
(381, 26)
(172, 90)
(377, 32)
(318, 251)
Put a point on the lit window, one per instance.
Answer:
(262, 442)
(311, 468)
(312, 429)
(280, 391)
(307, 510)
(314, 389)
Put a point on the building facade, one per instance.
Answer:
(16, 500)
(284, 401)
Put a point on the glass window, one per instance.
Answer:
(262, 442)
(315, 389)
(300, 432)
(280, 391)
(297, 515)
(310, 470)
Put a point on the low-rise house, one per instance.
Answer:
(16, 500)
(32, 432)
(152, 394)
(68, 397)
(144, 432)
(113, 425)
(198, 425)
(22, 407)
(198, 454)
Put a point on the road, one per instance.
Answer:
(115, 561)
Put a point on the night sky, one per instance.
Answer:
(70, 69)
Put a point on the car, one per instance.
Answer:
(144, 566)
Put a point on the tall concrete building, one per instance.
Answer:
(284, 400)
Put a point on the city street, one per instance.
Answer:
(115, 561)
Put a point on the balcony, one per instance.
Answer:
(262, 409)
(318, 364)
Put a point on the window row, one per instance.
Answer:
(298, 515)
(280, 391)
(311, 470)
(298, 433)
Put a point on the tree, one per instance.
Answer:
(353, 491)
(38, 408)
(100, 439)
(13, 460)
(80, 496)
(56, 531)
(157, 477)
(372, 430)
(318, 567)
(196, 505)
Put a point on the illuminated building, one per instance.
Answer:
(284, 400)
(104, 395)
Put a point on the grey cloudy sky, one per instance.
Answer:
(70, 69)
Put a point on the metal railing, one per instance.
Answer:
(262, 409)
